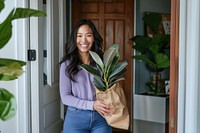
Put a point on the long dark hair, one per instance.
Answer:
(71, 51)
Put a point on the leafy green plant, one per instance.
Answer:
(152, 49)
(11, 69)
(109, 71)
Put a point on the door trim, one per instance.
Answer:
(35, 36)
(174, 59)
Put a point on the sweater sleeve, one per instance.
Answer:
(66, 93)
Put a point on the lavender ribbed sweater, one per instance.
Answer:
(79, 94)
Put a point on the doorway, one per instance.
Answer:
(114, 21)
(98, 11)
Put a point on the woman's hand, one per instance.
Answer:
(102, 108)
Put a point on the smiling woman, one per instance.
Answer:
(84, 41)
(85, 113)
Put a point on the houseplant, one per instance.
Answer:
(11, 69)
(108, 89)
(152, 49)
(110, 68)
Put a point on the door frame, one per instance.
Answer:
(174, 59)
(174, 48)
(36, 35)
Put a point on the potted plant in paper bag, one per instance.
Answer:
(108, 88)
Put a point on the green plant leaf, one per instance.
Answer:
(4, 62)
(153, 20)
(6, 30)
(97, 59)
(114, 62)
(110, 73)
(7, 105)
(26, 13)
(157, 39)
(7, 77)
(6, 26)
(11, 71)
(145, 59)
(116, 46)
(117, 80)
(116, 76)
(119, 67)
(2, 5)
(154, 49)
(141, 43)
(109, 55)
(99, 83)
(91, 70)
(162, 61)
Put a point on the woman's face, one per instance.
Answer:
(84, 39)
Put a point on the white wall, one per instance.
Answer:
(16, 49)
(189, 67)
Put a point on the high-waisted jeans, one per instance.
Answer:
(85, 121)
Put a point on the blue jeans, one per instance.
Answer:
(85, 121)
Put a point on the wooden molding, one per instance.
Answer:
(174, 53)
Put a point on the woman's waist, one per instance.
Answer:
(70, 108)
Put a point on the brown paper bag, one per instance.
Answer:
(115, 98)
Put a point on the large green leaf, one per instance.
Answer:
(117, 80)
(154, 49)
(4, 62)
(116, 76)
(11, 71)
(6, 30)
(1, 5)
(162, 61)
(141, 43)
(7, 105)
(116, 46)
(119, 67)
(109, 55)
(6, 26)
(157, 39)
(113, 63)
(145, 59)
(97, 59)
(26, 13)
(91, 70)
(7, 77)
(99, 83)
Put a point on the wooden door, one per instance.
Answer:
(114, 21)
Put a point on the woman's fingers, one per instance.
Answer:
(102, 108)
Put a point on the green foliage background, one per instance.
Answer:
(11, 69)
